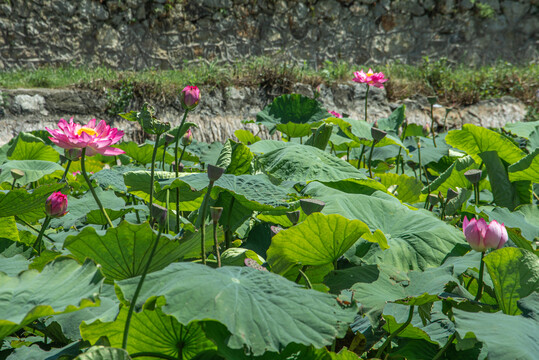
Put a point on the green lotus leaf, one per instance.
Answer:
(151, 331)
(501, 334)
(33, 170)
(255, 192)
(475, 139)
(393, 121)
(525, 219)
(274, 311)
(292, 114)
(319, 240)
(246, 137)
(34, 352)
(62, 286)
(236, 158)
(416, 239)
(507, 194)
(21, 201)
(522, 128)
(265, 146)
(113, 178)
(104, 353)
(12, 266)
(29, 147)
(454, 178)
(408, 189)
(123, 251)
(515, 275)
(356, 186)
(360, 132)
(429, 152)
(306, 163)
(526, 169)
(143, 153)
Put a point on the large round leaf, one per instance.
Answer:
(515, 275)
(319, 240)
(408, 189)
(263, 311)
(501, 334)
(33, 170)
(29, 147)
(306, 163)
(22, 201)
(476, 139)
(292, 114)
(123, 251)
(62, 286)
(526, 169)
(104, 353)
(417, 239)
(151, 331)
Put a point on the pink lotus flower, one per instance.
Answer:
(371, 78)
(56, 205)
(336, 114)
(96, 139)
(482, 236)
(189, 97)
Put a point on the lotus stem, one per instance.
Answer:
(370, 158)
(228, 232)
(480, 281)
(476, 193)
(66, 170)
(216, 244)
(432, 124)
(360, 156)
(152, 171)
(139, 287)
(37, 243)
(307, 281)
(366, 101)
(177, 168)
(13, 184)
(31, 227)
(397, 332)
(446, 346)
(202, 214)
(164, 153)
(83, 170)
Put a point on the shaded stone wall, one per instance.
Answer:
(137, 34)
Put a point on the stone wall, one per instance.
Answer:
(136, 34)
(221, 111)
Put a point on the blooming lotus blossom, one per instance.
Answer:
(189, 97)
(56, 205)
(482, 236)
(96, 139)
(336, 114)
(371, 78)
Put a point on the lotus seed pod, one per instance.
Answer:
(72, 154)
(169, 139)
(377, 134)
(215, 172)
(293, 216)
(473, 176)
(433, 199)
(451, 194)
(215, 213)
(432, 99)
(159, 213)
(17, 174)
(310, 206)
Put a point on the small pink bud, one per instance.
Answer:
(189, 97)
(187, 138)
(56, 205)
(482, 236)
(336, 114)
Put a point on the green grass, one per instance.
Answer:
(456, 84)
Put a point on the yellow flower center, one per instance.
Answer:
(370, 73)
(87, 130)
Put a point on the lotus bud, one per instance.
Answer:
(482, 236)
(473, 176)
(318, 91)
(432, 99)
(451, 194)
(159, 213)
(310, 206)
(72, 154)
(169, 139)
(56, 205)
(187, 138)
(377, 134)
(293, 216)
(215, 172)
(426, 129)
(189, 97)
(215, 213)
(17, 174)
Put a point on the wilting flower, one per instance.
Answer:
(187, 138)
(371, 78)
(96, 139)
(189, 97)
(56, 205)
(336, 114)
(482, 236)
